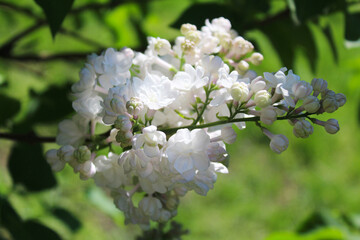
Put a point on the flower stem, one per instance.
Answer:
(247, 119)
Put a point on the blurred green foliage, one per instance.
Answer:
(310, 192)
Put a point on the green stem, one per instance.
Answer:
(206, 103)
(250, 119)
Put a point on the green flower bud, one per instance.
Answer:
(82, 154)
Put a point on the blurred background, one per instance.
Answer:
(311, 191)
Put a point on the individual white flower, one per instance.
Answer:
(303, 129)
(158, 46)
(115, 102)
(262, 99)
(151, 207)
(134, 106)
(232, 88)
(190, 79)
(279, 143)
(55, 162)
(332, 126)
(257, 84)
(302, 89)
(186, 28)
(155, 92)
(72, 131)
(114, 68)
(211, 65)
(268, 115)
(217, 152)
(150, 141)
(219, 28)
(239, 91)
(256, 58)
(240, 47)
(87, 82)
(204, 180)
(136, 161)
(243, 66)
(283, 84)
(228, 134)
(89, 107)
(108, 172)
(187, 152)
(86, 170)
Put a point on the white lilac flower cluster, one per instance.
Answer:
(172, 109)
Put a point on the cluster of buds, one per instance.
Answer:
(172, 110)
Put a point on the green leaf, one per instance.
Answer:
(10, 220)
(36, 230)
(286, 37)
(242, 14)
(27, 166)
(55, 12)
(352, 30)
(11, 109)
(68, 218)
(303, 10)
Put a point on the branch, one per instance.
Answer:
(5, 49)
(212, 124)
(29, 138)
(19, 9)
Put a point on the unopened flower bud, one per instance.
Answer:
(162, 46)
(279, 143)
(228, 135)
(193, 36)
(150, 206)
(172, 202)
(86, 169)
(262, 99)
(243, 65)
(302, 89)
(187, 27)
(239, 91)
(332, 126)
(256, 58)
(180, 190)
(66, 153)
(123, 123)
(330, 104)
(116, 105)
(257, 84)
(54, 161)
(164, 215)
(268, 115)
(319, 85)
(303, 129)
(216, 152)
(124, 138)
(134, 106)
(82, 154)
(188, 46)
(311, 104)
(341, 99)
(328, 94)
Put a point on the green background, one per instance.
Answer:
(311, 191)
